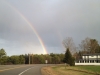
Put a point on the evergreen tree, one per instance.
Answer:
(68, 58)
(2, 53)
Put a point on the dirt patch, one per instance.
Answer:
(48, 71)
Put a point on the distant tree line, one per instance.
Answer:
(40, 59)
(30, 58)
(87, 46)
(15, 59)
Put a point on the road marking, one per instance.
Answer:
(11, 68)
(25, 70)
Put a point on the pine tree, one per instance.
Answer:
(68, 58)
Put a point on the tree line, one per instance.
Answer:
(87, 46)
(30, 58)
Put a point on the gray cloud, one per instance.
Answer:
(53, 20)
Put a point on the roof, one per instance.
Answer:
(91, 54)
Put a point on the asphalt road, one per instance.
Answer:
(21, 69)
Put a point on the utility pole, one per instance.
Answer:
(32, 58)
(29, 59)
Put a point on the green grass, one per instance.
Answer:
(89, 68)
(69, 70)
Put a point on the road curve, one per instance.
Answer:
(21, 69)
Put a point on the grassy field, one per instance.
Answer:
(89, 68)
(83, 69)
(71, 70)
(62, 71)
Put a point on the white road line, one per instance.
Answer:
(25, 70)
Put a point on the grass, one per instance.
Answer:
(89, 68)
(67, 71)
(73, 70)
(84, 70)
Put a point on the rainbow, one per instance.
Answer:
(31, 26)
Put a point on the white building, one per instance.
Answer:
(89, 59)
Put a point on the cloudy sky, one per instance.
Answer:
(52, 20)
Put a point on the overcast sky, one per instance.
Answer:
(53, 20)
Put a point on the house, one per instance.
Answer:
(89, 59)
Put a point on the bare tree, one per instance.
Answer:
(68, 43)
(93, 45)
(85, 44)
(89, 45)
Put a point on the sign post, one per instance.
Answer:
(46, 61)
(65, 65)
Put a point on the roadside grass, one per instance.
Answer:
(84, 70)
(68, 71)
(95, 69)
(72, 70)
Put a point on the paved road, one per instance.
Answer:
(21, 69)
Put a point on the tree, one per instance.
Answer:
(15, 59)
(48, 57)
(68, 58)
(98, 50)
(26, 59)
(61, 56)
(3, 60)
(84, 46)
(21, 59)
(2, 53)
(68, 43)
(89, 46)
(94, 46)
